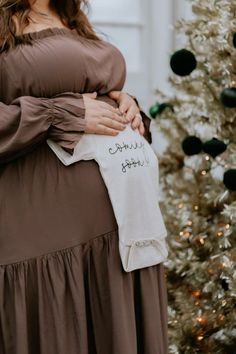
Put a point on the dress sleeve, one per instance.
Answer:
(146, 122)
(28, 121)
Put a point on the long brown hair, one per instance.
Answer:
(71, 12)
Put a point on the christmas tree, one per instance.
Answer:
(198, 176)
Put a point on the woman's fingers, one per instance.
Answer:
(102, 118)
(107, 106)
(132, 112)
(115, 95)
(127, 110)
(91, 95)
(99, 104)
(138, 124)
(110, 123)
(136, 121)
(124, 106)
(141, 129)
(115, 115)
(104, 125)
(103, 130)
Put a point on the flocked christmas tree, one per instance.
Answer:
(198, 175)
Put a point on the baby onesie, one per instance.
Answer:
(130, 171)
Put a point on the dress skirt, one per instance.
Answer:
(62, 286)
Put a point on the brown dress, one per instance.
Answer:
(62, 286)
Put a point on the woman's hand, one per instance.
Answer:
(129, 108)
(101, 118)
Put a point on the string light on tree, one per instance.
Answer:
(198, 174)
(202, 320)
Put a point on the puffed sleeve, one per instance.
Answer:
(28, 121)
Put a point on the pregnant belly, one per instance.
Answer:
(46, 206)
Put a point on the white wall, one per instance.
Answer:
(126, 24)
(143, 30)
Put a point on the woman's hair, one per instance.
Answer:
(71, 13)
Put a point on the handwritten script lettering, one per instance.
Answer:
(131, 163)
(140, 160)
(122, 147)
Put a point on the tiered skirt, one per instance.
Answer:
(62, 286)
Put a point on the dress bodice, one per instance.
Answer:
(60, 60)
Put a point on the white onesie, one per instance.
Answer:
(130, 171)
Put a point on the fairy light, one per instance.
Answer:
(202, 320)
(200, 338)
(220, 234)
(203, 173)
(196, 293)
(221, 317)
(196, 207)
(187, 234)
(202, 241)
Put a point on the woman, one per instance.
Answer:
(62, 286)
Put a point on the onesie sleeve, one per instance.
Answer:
(28, 121)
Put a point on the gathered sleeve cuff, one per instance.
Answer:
(68, 123)
(28, 121)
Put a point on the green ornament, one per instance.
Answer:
(158, 108)
(154, 110)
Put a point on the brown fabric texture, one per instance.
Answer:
(62, 286)
(26, 122)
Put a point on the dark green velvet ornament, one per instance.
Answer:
(192, 145)
(234, 39)
(214, 147)
(183, 62)
(230, 179)
(159, 108)
(164, 106)
(154, 110)
(225, 284)
(228, 97)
